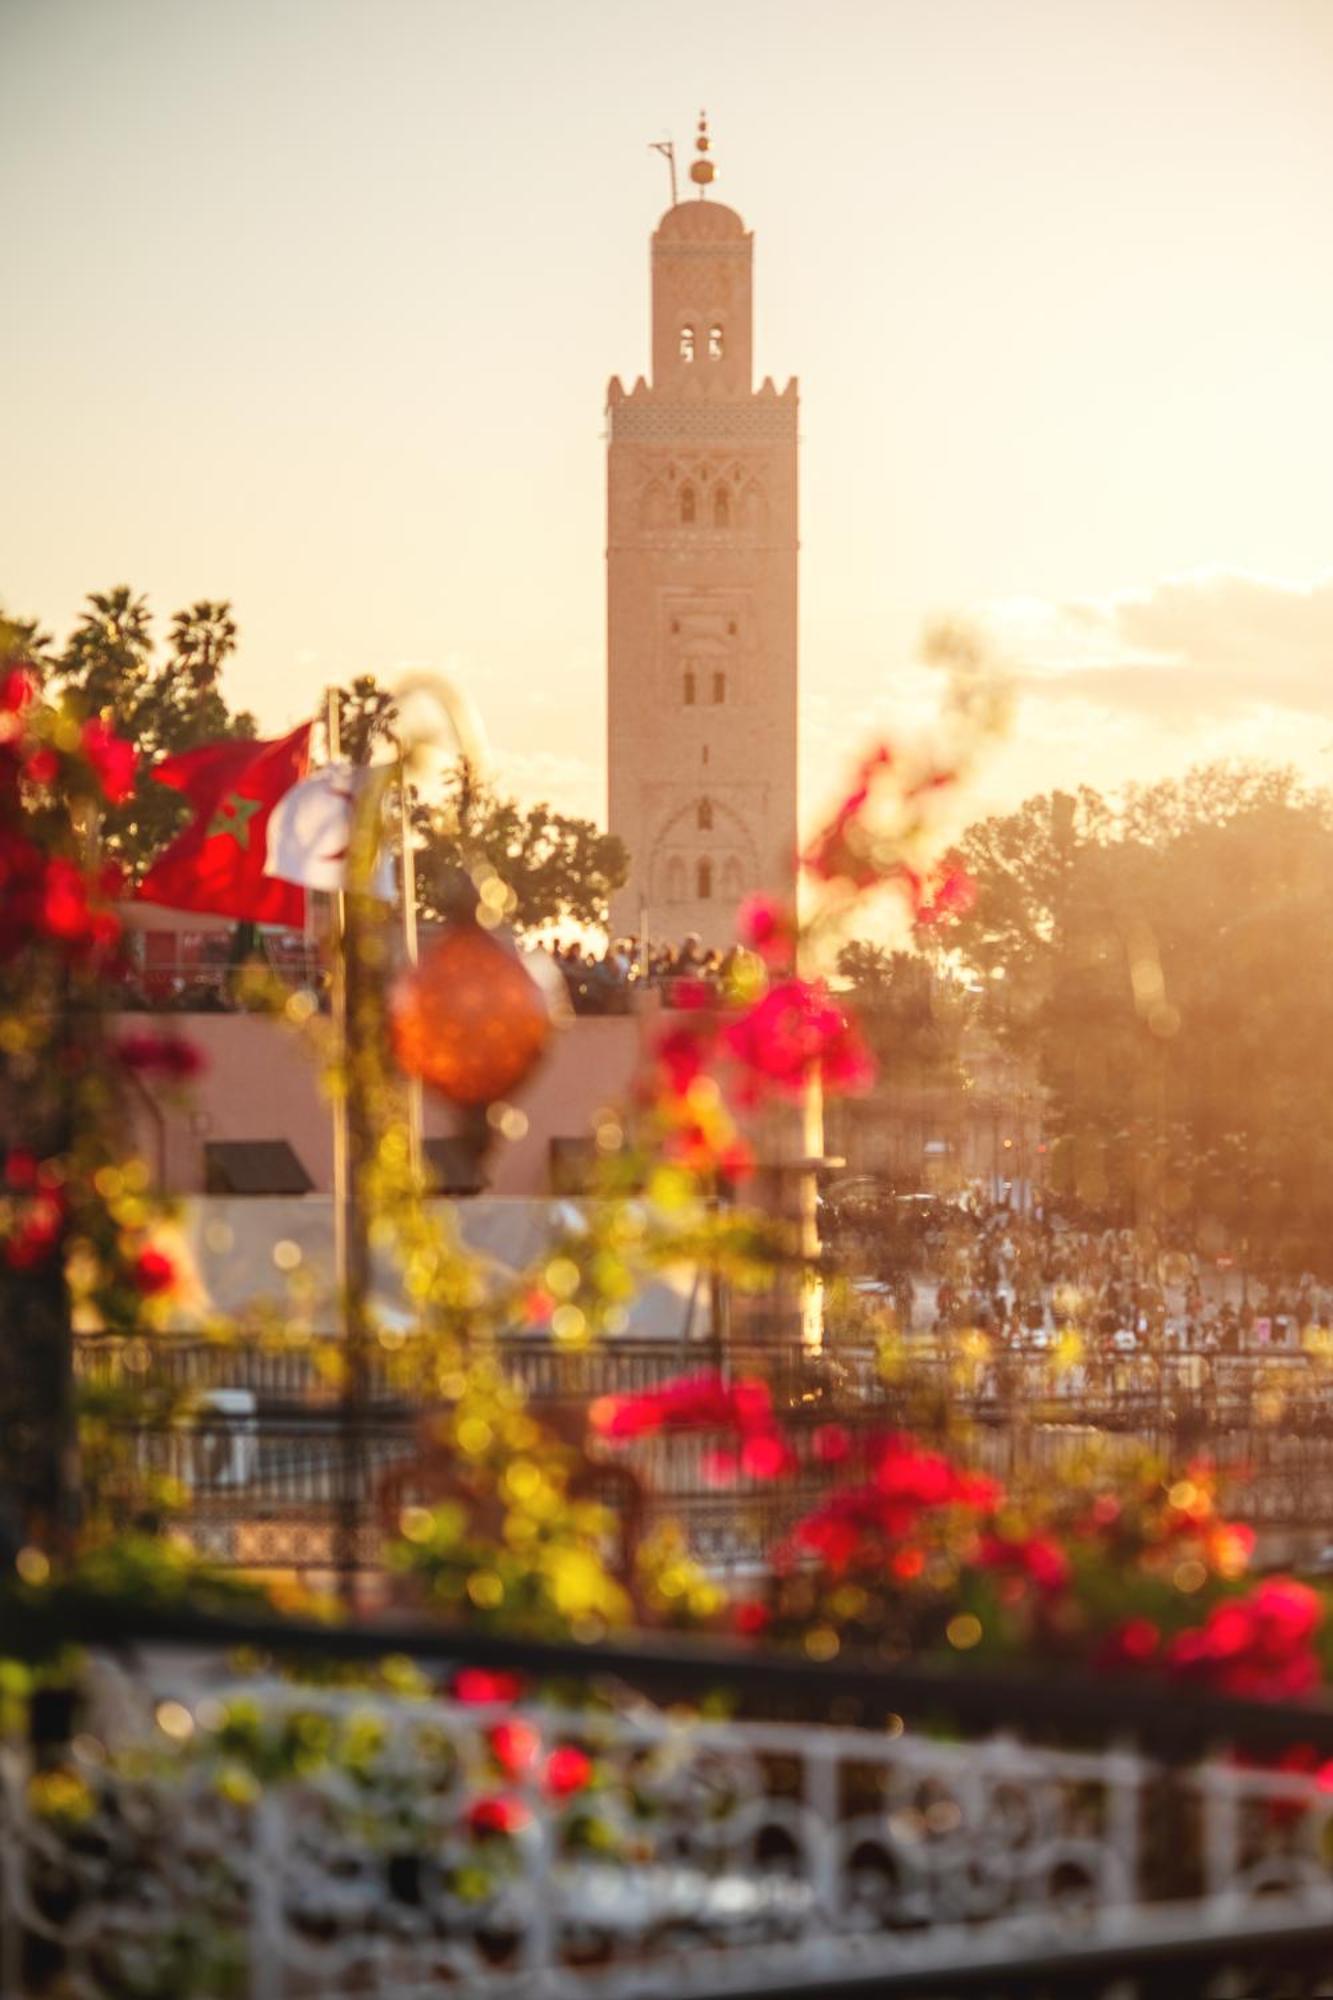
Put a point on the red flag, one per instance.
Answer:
(217, 864)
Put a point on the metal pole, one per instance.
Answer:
(408, 882)
(338, 1003)
(349, 1499)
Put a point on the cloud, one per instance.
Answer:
(1200, 649)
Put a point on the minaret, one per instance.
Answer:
(701, 593)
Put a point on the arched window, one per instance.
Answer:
(705, 816)
(687, 505)
(687, 343)
(675, 880)
(704, 880)
(719, 689)
(721, 507)
(733, 879)
(688, 691)
(715, 342)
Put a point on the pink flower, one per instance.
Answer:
(792, 1033)
(767, 927)
(153, 1273)
(18, 690)
(568, 1770)
(64, 911)
(689, 1403)
(499, 1816)
(168, 1056)
(1036, 1558)
(1260, 1646)
(514, 1745)
(479, 1686)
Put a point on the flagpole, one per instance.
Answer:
(408, 861)
(338, 999)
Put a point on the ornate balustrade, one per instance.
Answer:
(286, 1842)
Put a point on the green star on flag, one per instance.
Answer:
(233, 816)
(220, 861)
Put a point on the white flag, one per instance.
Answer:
(309, 830)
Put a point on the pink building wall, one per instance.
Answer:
(260, 1083)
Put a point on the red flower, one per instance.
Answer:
(792, 1033)
(479, 1686)
(42, 767)
(112, 760)
(1260, 1646)
(767, 927)
(169, 1056)
(766, 1455)
(749, 1620)
(35, 1234)
(152, 1273)
(832, 1444)
(1037, 1559)
(689, 1403)
(841, 851)
(20, 1168)
(514, 1745)
(950, 893)
(18, 690)
(1132, 1644)
(682, 1053)
(64, 912)
(568, 1770)
(498, 1816)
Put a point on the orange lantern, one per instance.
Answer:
(470, 1020)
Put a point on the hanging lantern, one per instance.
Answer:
(470, 1020)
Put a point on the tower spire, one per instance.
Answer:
(702, 170)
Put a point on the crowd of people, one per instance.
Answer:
(1027, 1274)
(604, 982)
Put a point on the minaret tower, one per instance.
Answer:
(701, 593)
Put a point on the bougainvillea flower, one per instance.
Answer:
(169, 1056)
(949, 893)
(152, 1273)
(682, 1055)
(792, 1033)
(499, 1816)
(18, 690)
(1260, 1646)
(699, 1402)
(1038, 1559)
(1134, 1643)
(568, 1770)
(479, 1686)
(34, 1232)
(515, 1745)
(767, 928)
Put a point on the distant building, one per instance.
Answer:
(701, 594)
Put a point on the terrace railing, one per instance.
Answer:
(278, 1841)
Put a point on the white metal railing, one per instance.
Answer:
(307, 1842)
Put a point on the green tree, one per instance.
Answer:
(108, 668)
(1166, 964)
(558, 868)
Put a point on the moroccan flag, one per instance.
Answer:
(218, 863)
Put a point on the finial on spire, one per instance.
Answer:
(702, 171)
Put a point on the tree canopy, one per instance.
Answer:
(162, 702)
(1165, 961)
(559, 869)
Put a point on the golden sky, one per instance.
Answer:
(312, 305)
